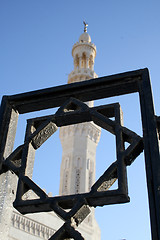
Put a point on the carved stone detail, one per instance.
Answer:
(31, 227)
(87, 129)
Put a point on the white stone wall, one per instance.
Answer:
(43, 225)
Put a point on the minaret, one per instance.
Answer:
(79, 141)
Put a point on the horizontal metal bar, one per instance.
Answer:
(93, 89)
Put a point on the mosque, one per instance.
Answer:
(77, 175)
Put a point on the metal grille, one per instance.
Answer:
(72, 109)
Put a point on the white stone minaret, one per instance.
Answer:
(79, 141)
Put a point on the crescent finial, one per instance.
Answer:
(85, 26)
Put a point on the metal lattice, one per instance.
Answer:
(73, 209)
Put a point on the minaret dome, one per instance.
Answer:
(85, 37)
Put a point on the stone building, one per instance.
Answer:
(77, 174)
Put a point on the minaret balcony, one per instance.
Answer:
(81, 74)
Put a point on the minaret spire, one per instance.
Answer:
(85, 26)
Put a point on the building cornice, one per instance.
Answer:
(31, 226)
(81, 74)
(84, 45)
(88, 129)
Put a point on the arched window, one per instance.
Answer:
(88, 163)
(66, 163)
(91, 62)
(76, 61)
(83, 65)
(79, 163)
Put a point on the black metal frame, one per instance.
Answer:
(71, 97)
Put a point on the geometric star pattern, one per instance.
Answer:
(73, 209)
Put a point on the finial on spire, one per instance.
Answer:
(85, 26)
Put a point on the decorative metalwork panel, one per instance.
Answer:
(73, 209)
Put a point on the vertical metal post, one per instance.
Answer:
(151, 151)
(8, 181)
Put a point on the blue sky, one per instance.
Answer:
(35, 45)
